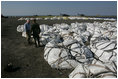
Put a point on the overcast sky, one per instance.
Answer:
(57, 7)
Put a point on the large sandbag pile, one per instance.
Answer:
(65, 54)
(88, 48)
(103, 44)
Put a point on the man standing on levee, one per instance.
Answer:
(28, 31)
(36, 31)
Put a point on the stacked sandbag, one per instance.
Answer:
(44, 27)
(47, 37)
(81, 53)
(44, 38)
(46, 34)
(84, 37)
(96, 34)
(95, 70)
(57, 55)
(80, 50)
(108, 29)
(105, 50)
(103, 44)
(64, 26)
(66, 54)
(20, 19)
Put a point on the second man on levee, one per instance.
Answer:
(35, 29)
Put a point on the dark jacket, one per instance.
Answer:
(35, 29)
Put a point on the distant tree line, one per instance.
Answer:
(80, 14)
(64, 15)
(69, 15)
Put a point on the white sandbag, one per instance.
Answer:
(68, 42)
(47, 36)
(81, 53)
(80, 26)
(78, 38)
(20, 19)
(58, 58)
(105, 56)
(44, 40)
(95, 70)
(106, 45)
(96, 34)
(86, 33)
(85, 36)
(26, 18)
(20, 28)
(110, 66)
(79, 72)
(64, 26)
(24, 34)
(88, 53)
(47, 49)
(64, 32)
(44, 27)
(78, 52)
(90, 27)
(31, 18)
(76, 49)
(82, 39)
